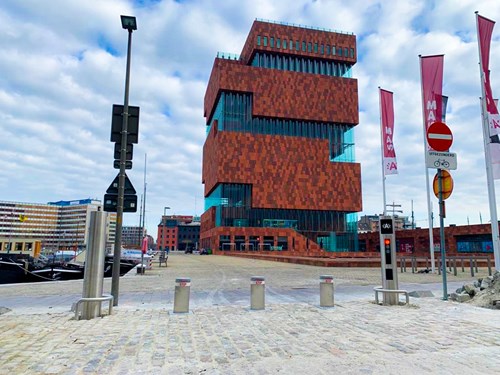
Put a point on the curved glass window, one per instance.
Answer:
(302, 64)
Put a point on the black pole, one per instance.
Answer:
(115, 278)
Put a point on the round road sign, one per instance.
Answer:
(439, 136)
(446, 183)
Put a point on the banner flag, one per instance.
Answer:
(485, 30)
(389, 161)
(445, 105)
(432, 88)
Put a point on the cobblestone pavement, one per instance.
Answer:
(220, 335)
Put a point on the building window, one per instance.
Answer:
(265, 41)
(322, 49)
(271, 42)
(309, 47)
(352, 53)
(297, 45)
(303, 46)
(268, 242)
(282, 243)
(327, 49)
(284, 44)
(315, 47)
(339, 51)
(278, 43)
(346, 52)
(258, 40)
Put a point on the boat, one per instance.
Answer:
(21, 268)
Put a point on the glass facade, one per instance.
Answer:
(302, 64)
(480, 243)
(233, 208)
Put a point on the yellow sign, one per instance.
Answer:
(446, 183)
(23, 218)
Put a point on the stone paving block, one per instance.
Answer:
(421, 294)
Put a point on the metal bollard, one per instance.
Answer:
(257, 293)
(475, 264)
(455, 266)
(462, 260)
(489, 266)
(181, 297)
(94, 265)
(471, 267)
(326, 291)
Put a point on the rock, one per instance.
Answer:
(477, 284)
(469, 289)
(463, 297)
(460, 290)
(421, 293)
(4, 310)
(453, 296)
(486, 283)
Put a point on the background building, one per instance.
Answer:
(178, 232)
(278, 162)
(61, 225)
(459, 240)
(132, 236)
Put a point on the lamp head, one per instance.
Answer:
(129, 22)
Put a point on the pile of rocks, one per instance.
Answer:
(483, 292)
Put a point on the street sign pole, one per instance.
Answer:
(115, 278)
(441, 233)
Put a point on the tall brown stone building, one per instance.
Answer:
(278, 162)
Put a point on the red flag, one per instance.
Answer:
(431, 70)
(387, 124)
(485, 30)
(145, 245)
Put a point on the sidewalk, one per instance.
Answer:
(221, 335)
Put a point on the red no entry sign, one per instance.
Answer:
(439, 136)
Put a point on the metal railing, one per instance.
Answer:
(304, 26)
(379, 289)
(451, 263)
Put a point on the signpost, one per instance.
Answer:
(440, 139)
(129, 196)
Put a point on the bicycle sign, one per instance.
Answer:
(442, 163)
(441, 160)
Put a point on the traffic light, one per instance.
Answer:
(387, 250)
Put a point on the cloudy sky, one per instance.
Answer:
(62, 67)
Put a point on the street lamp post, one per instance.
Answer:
(129, 23)
(163, 231)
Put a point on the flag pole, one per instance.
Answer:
(429, 204)
(487, 156)
(382, 150)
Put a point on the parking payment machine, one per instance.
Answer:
(388, 259)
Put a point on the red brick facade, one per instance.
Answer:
(417, 241)
(285, 94)
(282, 177)
(294, 34)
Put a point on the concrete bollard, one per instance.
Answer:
(326, 291)
(181, 297)
(257, 293)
